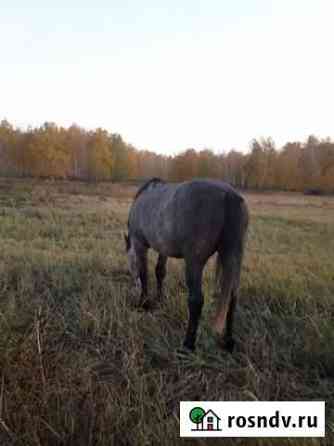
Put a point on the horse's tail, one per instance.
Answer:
(235, 225)
(230, 255)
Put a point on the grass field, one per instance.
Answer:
(81, 365)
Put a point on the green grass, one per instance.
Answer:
(80, 364)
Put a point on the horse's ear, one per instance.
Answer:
(127, 241)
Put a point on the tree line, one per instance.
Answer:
(76, 153)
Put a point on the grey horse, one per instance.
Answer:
(191, 220)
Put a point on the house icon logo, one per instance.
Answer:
(204, 421)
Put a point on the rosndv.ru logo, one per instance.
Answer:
(252, 419)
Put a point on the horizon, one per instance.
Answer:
(202, 75)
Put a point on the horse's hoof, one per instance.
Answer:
(188, 347)
(184, 351)
(161, 295)
(148, 305)
(228, 345)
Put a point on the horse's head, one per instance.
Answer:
(133, 262)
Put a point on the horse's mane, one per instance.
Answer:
(147, 184)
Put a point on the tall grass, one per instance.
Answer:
(80, 364)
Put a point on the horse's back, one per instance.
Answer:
(214, 191)
(185, 219)
(204, 208)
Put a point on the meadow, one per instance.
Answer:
(81, 364)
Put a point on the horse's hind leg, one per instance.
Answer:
(228, 272)
(160, 273)
(195, 301)
(228, 341)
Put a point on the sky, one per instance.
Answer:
(174, 74)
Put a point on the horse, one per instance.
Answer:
(191, 220)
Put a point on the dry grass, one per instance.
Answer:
(81, 365)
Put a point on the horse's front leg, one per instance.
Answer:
(160, 274)
(195, 301)
(142, 267)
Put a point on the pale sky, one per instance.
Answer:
(169, 75)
